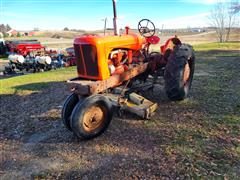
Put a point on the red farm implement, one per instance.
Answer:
(25, 55)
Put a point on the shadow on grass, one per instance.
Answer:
(219, 53)
(6, 76)
(34, 86)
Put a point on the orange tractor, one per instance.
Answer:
(113, 69)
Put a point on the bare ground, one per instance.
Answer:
(188, 139)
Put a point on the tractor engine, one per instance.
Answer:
(118, 61)
(99, 57)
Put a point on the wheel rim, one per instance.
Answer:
(186, 73)
(94, 118)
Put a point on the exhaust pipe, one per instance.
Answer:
(115, 18)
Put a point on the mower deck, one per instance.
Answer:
(135, 104)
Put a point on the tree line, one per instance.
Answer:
(5, 28)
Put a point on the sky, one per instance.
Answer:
(89, 14)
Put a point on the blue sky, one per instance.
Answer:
(88, 14)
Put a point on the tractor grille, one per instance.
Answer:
(87, 63)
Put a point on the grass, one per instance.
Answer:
(229, 49)
(3, 58)
(218, 46)
(206, 140)
(221, 48)
(35, 82)
(212, 147)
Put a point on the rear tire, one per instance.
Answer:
(91, 118)
(179, 72)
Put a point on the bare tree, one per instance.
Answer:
(223, 18)
(233, 10)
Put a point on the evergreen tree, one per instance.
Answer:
(8, 28)
(2, 28)
(66, 29)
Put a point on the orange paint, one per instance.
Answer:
(104, 46)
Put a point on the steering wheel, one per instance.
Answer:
(146, 28)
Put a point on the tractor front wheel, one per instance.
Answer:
(179, 71)
(91, 118)
(68, 106)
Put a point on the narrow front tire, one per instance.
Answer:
(91, 118)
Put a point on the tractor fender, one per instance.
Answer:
(170, 44)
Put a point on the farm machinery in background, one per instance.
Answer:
(70, 59)
(114, 70)
(26, 55)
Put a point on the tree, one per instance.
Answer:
(66, 29)
(2, 28)
(8, 28)
(18, 34)
(232, 12)
(223, 18)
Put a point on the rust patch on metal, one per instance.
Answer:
(94, 118)
(186, 73)
(87, 87)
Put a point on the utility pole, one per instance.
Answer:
(115, 17)
(162, 29)
(105, 25)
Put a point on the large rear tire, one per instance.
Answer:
(91, 118)
(179, 72)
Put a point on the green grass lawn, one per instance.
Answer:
(36, 81)
(218, 46)
(229, 49)
(3, 58)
